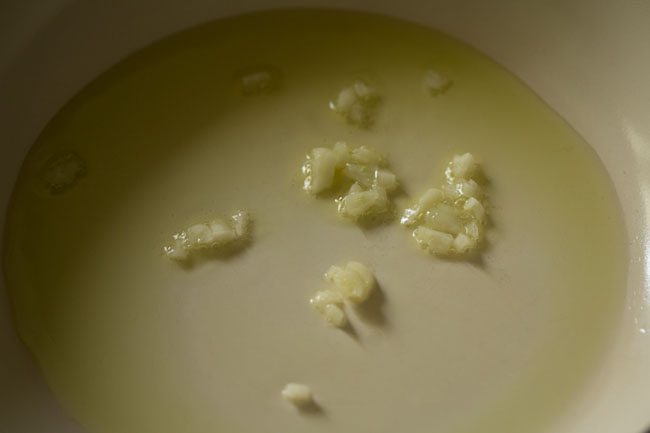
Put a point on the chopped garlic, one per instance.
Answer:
(463, 243)
(214, 234)
(355, 188)
(177, 250)
(435, 83)
(297, 394)
(319, 170)
(410, 217)
(258, 80)
(430, 198)
(326, 297)
(460, 188)
(241, 222)
(362, 168)
(444, 218)
(222, 232)
(199, 235)
(365, 155)
(62, 172)
(345, 100)
(433, 241)
(356, 104)
(330, 305)
(450, 220)
(354, 281)
(385, 180)
(363, 91)
(473, 230)
(334, 315)
(342, 151)
(463, 166)
(356, 205)
(475, 208)
(360, 174)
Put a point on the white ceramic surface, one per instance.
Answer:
(589, 60)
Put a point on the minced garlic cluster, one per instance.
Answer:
(362, 173)
(351, 283)
(450, 220)
(215, 234)
(357, 104)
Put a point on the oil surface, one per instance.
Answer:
(131, 342)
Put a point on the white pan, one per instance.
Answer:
(590, 60)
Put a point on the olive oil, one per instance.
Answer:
(131, 342)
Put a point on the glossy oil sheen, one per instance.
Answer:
(131, 342)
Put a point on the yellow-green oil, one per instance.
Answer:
(131, 342)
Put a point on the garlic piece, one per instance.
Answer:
(298, 394)
(214, 234)
(330, 306)
(435, 83)
(351, 283)
(259, 80)
(354, 281)
(356, 104)
(356, 205)
(433, 241)
(319, 170)
(450, 220)
(62, 172)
